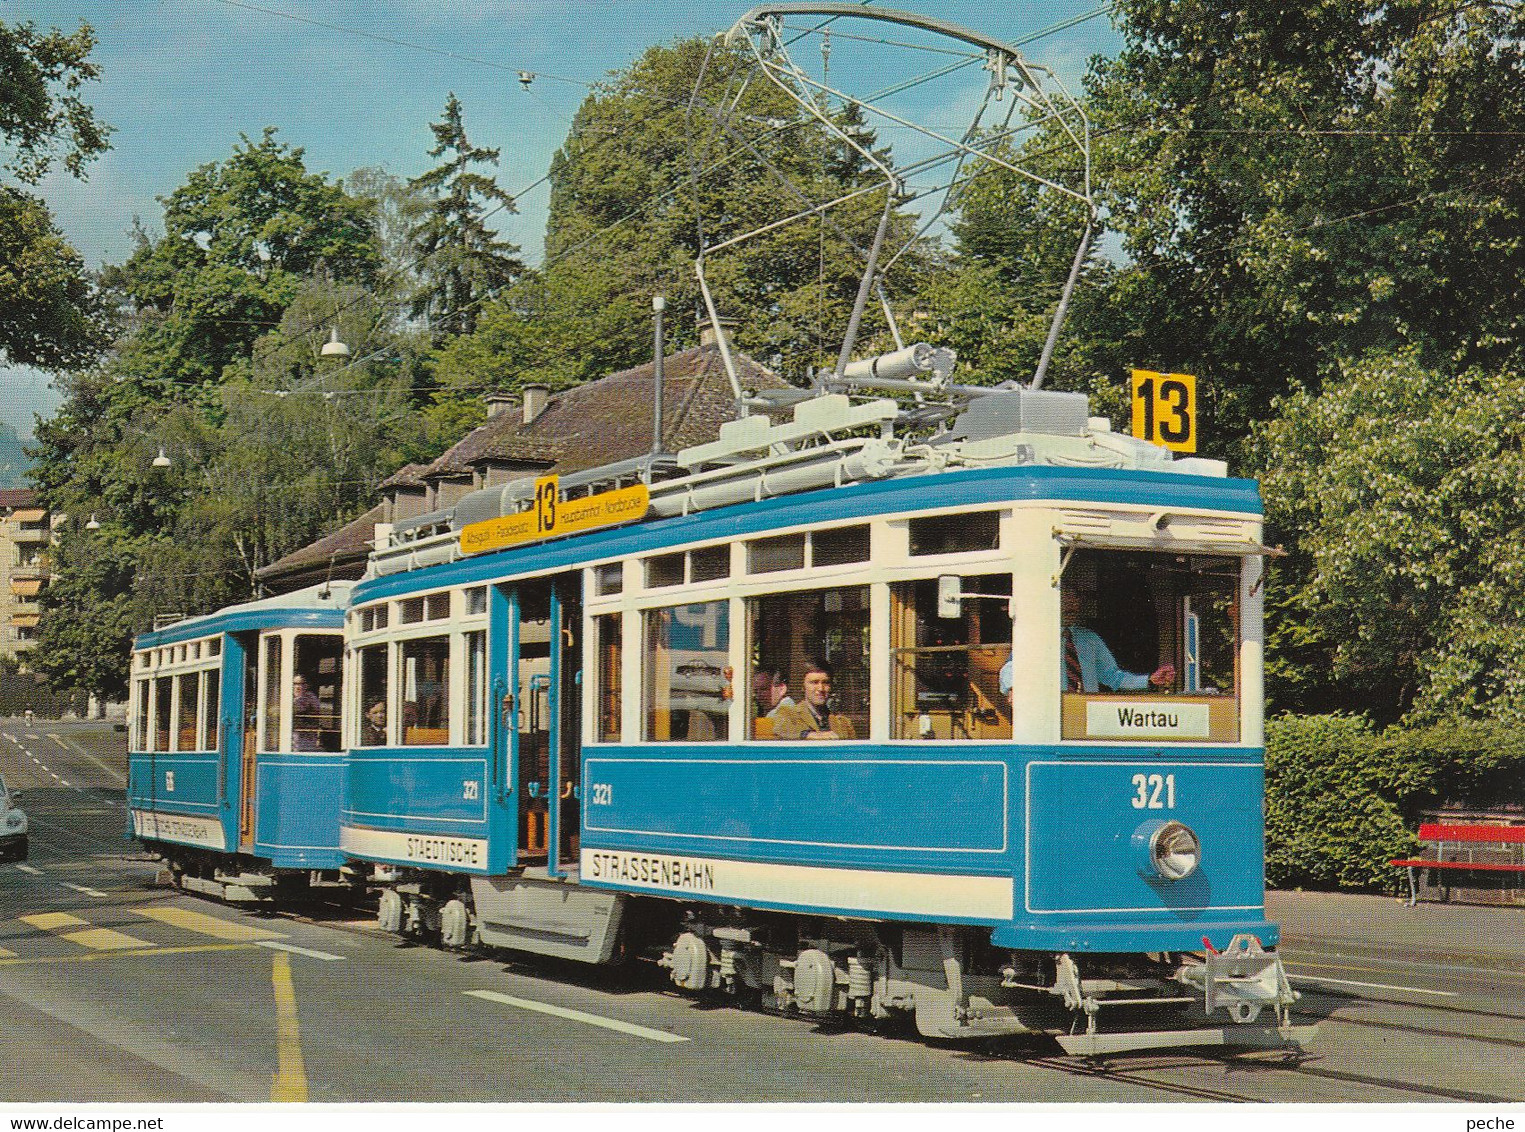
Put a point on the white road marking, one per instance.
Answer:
(1370, 986)
(29, 869)
(69, 744)
(273, 946)
(86, 891)
(578, 1016)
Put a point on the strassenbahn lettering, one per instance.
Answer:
(657, 872)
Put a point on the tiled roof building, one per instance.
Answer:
(535, 433)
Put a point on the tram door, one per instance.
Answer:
(546, 713)
(569, 716)
(532, 677)
(250, 713)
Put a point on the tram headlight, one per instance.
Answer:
(1169, 850)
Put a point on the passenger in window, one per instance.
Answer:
(430, 705)
(374, 729)
(306, 722)
(770, 692)
(1087, 664)
(813, 719)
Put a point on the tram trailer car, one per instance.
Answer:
(565, 736)
(235, 774)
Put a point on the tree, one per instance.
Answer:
(221, 366)
(1297, 184)
(88, 615)
(1405, 595)
(41, 116)
(461, 259)
(625, 223)
(48, 315)
(994, 297)
(241, 237)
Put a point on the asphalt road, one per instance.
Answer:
(114, 988)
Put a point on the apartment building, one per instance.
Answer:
(26, 536)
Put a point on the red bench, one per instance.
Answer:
(1478, 848)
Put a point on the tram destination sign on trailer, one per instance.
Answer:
(552, 516)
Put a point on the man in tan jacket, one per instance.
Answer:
(812, 719)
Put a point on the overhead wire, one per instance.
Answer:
(915, 81)
(294, 338)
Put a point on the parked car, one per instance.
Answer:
(13, 826)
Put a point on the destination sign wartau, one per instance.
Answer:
(552, 516)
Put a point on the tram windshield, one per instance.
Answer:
(1143, 624)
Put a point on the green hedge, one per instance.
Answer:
(1342, 800)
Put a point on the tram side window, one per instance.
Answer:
(790, 635)
(373, 696)
(210, 727)
(608, 630)
(1141, 623)
(270, 713)
(425, 692)
(687, 654)
(185, 723)
(145, 706)
(956, 534)
(946, 671)
(476, 688)
(315, 693)
(163, 690)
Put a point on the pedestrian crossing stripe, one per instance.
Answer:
(97, 939)
(203, 924)
(67, 926)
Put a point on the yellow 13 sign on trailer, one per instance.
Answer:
(1165, 409)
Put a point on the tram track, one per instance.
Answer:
(1158, 1078)
(1147, 1079)
(1437, 1031)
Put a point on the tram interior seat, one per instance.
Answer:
(762, 728)
(426, 736)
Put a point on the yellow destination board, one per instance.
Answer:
(1165, 409)
(552, 516)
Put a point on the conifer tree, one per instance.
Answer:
(461, 259)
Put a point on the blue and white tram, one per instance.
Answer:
(565, 736)
(235, 764)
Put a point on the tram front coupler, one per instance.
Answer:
(1242, 979)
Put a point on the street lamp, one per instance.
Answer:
(334, 348)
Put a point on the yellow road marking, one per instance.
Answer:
(290, 1082)
(104, 939)
(98, 939)
(207, 925)
(4, 954)
(88, 956)
(52, 921)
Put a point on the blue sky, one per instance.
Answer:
(183, 78)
